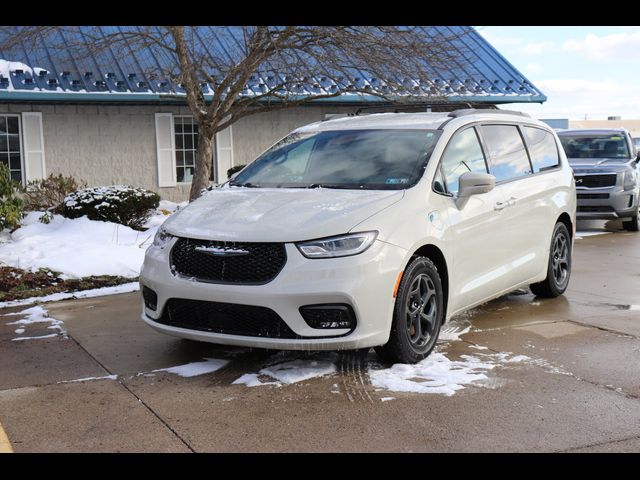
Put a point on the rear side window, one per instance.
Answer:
(542, 148)
(507, 152)
(463, 154)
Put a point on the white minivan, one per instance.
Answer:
(367, 231)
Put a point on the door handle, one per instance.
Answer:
(500, 206)
(512, 202)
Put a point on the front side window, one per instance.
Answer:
(10, 145)
(186, 136)
(463, 154)
(608, 145)
(389, 159)
(542, 148)
(507, 152)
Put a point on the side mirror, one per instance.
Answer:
(473, 183)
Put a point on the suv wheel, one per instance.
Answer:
(559, 266)
(632, 225)
(417, 316)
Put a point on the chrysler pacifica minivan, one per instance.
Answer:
(367, 231)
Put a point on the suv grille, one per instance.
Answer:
(596, 181)
(227, 262)
(227, 318)
(594, 209)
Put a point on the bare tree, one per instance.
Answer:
(227, 73)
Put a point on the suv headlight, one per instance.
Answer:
(340, 246)
(629, 181)
(162, 238)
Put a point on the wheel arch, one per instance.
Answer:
(437, 257)
(566, 220)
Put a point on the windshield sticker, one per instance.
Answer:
(396, 181)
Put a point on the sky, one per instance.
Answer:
(585, 72)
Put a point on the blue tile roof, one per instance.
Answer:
(41, 72)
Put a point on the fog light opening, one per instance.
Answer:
(329, 316)
(150, 298)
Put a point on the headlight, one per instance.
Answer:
(629, 181)
(162, 238)
(341, 246)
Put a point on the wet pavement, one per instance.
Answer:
(516, 374)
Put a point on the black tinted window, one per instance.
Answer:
(463, 154)
(542, 148)
(507, 152)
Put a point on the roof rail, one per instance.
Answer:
(471, 111)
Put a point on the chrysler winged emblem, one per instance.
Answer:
(222, 252)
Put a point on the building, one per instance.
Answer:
(613, 122)
(119, 124)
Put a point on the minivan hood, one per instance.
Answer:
(277, 214)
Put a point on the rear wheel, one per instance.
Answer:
(417, 315)
(559, 266)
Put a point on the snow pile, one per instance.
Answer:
(36, 315)
(434, 374)
(453, 330)
(438, 374)
(196, 368)
(288, 372)
(76, 247)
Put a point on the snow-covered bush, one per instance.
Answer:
(11, 205)
(117, 203)
(47, 194)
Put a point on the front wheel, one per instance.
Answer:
(559, 266)
(632, 225)
(417, 316)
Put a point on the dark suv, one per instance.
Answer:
(605, 167)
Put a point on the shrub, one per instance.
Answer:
(117, 203)
(49, 193)
(234, 169)
(11, 205)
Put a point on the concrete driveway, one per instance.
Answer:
(550, 375)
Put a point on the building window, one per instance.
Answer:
(186, 133)
(10, 145)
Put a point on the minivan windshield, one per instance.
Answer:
(388, 159)
(609, 145)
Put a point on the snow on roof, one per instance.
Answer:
(46, 73)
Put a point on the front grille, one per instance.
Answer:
(227, 318)
(592, 196)
(596, 181)
(594, 209)
(227, 262)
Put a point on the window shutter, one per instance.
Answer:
(33, 146)
(166, 150)
(224, 153)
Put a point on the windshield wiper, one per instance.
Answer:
(333, 185)
(246, 184)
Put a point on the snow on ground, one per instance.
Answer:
(288, 372)
(196, 368)
(438, 374)
(35, 315)
(94, 292)
(453, 330)
(81, 247)
(89, 379)
(588, 233)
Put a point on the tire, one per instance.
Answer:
(632, 225)
(558, 267)
(419, 304)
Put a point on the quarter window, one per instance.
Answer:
(10, 145)
(542, 148)
(186, 133)
(463, 154)
(507, 152)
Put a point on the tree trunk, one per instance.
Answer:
(204, 157)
